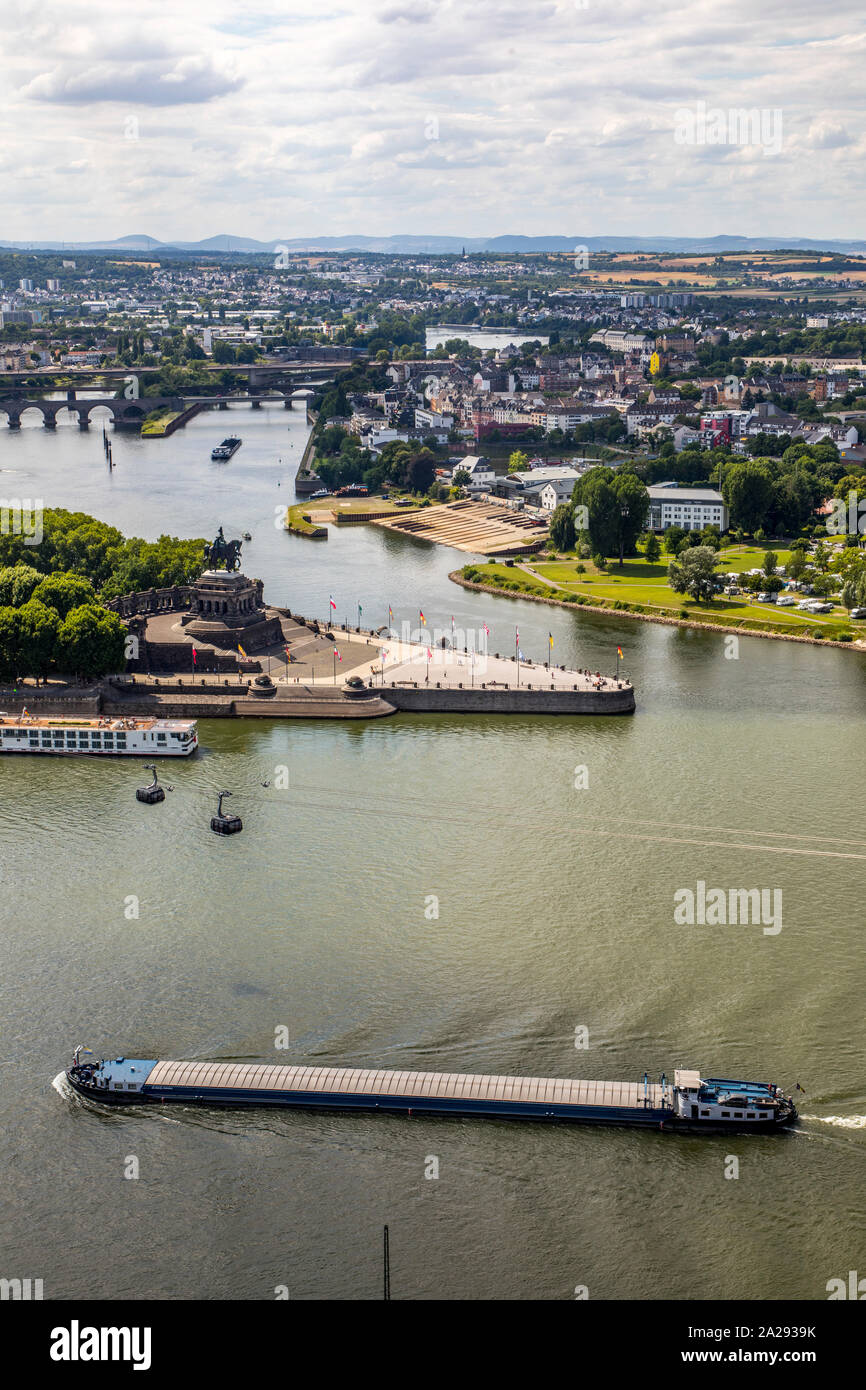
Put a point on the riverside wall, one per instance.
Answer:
(426, 700)
(316, 703)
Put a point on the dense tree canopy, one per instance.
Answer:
(51, 594)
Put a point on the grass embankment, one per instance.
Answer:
(297, 515)
(156, 426)
(641, 587)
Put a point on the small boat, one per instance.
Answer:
(690, 1103)
(228, 448)
(247, 536)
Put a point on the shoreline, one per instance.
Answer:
(458, 578)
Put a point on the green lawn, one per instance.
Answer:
(642, 585)
(639, 582)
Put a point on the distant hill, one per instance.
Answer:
(225, 244)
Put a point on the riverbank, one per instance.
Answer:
(619, 610)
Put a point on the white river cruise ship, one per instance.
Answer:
(164, 738)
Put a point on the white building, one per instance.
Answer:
(693, 508)
(481, 475)
(432, 419)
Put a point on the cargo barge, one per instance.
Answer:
(691, 1102)
(227, 449)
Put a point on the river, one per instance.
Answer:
(437, 893)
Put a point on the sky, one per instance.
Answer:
(459, 117)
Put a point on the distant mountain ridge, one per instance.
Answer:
(449, 245)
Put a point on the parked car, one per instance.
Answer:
(858, 613)
(766, 598)
(820, 608)
(731, 589)
(786, 601)
(323, 492)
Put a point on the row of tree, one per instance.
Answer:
(74, 543)
(55, 623)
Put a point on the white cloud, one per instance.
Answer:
(551, 117)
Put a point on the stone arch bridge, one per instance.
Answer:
(123, 412)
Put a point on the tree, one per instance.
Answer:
(748, 489)
(594, 491)
(91, 641)
(796, 564)
(518, 462)
(39, 626)
(17, 583)
(769, 565)
(461, 477)
(422, 471)
(693, 573)
(632, 510)
(10, 641)
(63, 592)
(821, 558)
(673, 539)
(652, 550)
(562, 527)
(223, 351)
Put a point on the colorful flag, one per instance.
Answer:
(550, 640)
(242, 652)
(429, 654)
(421, 616)
(486, 629)
(333, 604)
(288, 654)
(390, 614)
(360, 609)
(194, 657)
(337, 655)
(619, 651)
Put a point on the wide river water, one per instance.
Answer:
(440, 893)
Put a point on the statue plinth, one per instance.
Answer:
(226, 607)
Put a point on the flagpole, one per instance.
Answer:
(517, 653)
(334, 660)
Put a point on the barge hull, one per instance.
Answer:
(554, 1100)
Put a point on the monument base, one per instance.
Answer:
(226, 609)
